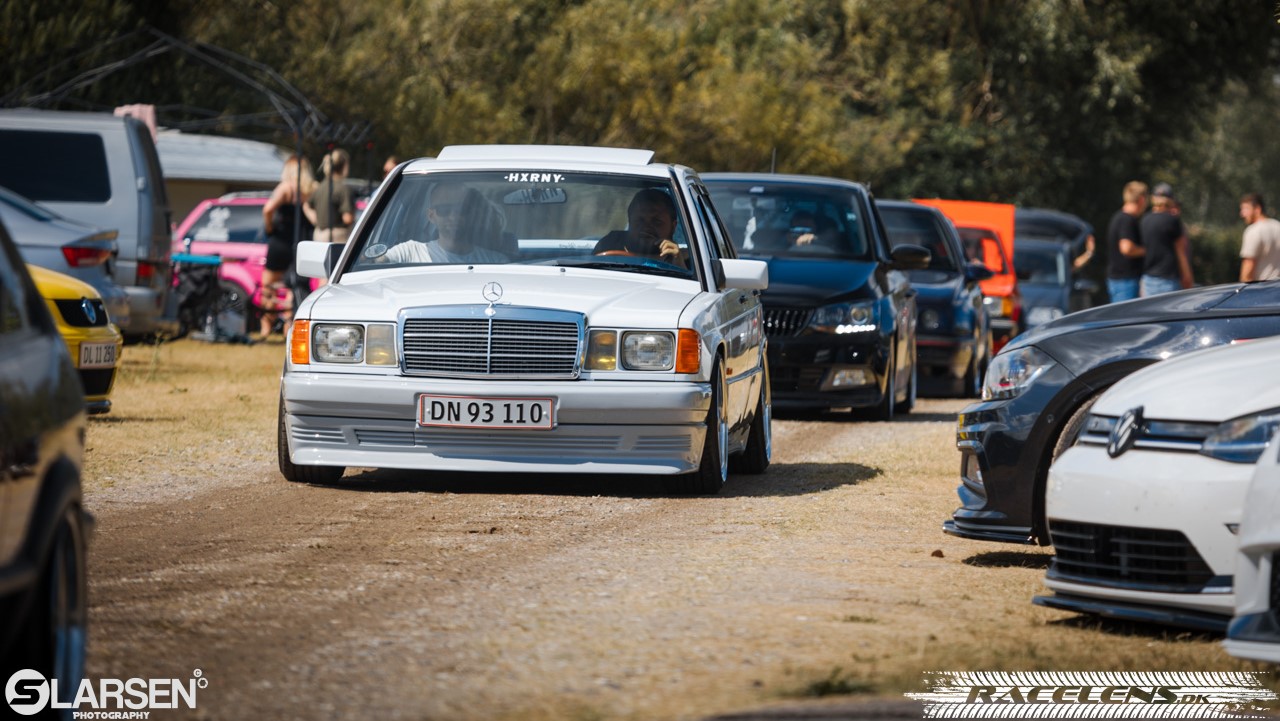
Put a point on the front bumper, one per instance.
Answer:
(1146, 498)
(827, 371)
(601, 426)
(1124, 611)
(1255, 631)
(1004, 451)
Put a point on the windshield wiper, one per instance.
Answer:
(646, 268)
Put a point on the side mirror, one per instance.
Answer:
(910, 257)
(977, 272)
(745, 274)
(317, 260)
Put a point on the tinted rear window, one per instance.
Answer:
(50, 166)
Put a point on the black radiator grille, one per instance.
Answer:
(783, 322)
(1140, 558)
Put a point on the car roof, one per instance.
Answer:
(1036, 220)
(543, 157)
(783, 178)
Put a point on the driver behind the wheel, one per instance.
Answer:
(651, 223)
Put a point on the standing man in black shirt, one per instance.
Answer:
(1124, 244)
(1167, 264)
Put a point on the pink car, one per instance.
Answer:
(230, 227)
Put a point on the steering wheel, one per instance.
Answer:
(619, 251)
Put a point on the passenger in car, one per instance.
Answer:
(463, 220)
(651, 224)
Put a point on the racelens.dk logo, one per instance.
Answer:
(1125, 433)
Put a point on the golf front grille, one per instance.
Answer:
(1139, 558)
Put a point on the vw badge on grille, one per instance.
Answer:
(89, 311)
(1125, 433)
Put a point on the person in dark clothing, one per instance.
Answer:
(1124, 244)
(1167, 265)
(651, 223)
(279, 218)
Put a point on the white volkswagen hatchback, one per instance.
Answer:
(1144, 509)
(531, 309)
(1254, 633)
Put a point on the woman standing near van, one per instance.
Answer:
(280, 216)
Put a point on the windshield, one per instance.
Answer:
(908, 226)
(787, 219)
(596, 220)
(1045, 265)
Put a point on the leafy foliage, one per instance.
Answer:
(1041, 102)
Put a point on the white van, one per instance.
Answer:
(103, 170)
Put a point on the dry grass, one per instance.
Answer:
(185, 406)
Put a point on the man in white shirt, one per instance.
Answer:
(458, 212)
(1260, 250)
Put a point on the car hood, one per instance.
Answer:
(1165, 307)
(805, 282)
(604, 297)
(1213, 385)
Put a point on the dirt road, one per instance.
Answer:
(447, 596)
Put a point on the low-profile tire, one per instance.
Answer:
(883, 411)
(1071, 429)
(754, 460)
(54, 636)
(317, 475)
(713, 467)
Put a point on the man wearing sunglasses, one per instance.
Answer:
(460, 215)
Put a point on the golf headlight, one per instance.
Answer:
(843, 318)
(1242, 440)
(648, 351)
(1012, 372)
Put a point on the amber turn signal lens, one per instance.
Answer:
(688, 351)
(300, 343)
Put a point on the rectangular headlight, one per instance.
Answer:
(602, 350)
(648, 350)
(380, 344)
(338, 342)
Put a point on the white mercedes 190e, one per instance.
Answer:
(531, 309)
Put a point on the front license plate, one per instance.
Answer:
(473, 412)
(97, 355)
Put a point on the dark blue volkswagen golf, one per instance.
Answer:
(840, 312)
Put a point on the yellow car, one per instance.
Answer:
(94, 341)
